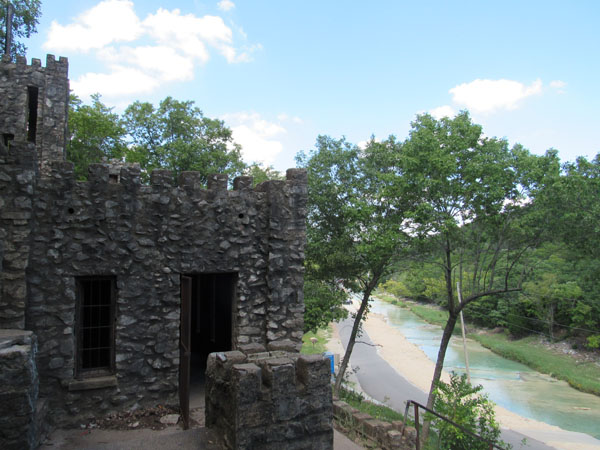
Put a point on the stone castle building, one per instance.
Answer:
(112, 292)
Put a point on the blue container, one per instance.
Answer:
(331, 358)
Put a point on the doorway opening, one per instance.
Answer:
(210, 325)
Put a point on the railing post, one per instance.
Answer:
(417, 426)
(405, 417)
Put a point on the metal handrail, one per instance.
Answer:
(417, 405)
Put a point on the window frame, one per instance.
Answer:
(80, 371)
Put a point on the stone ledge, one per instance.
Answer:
(380, 434)
(92, 383)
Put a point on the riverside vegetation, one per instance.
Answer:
(581, 373)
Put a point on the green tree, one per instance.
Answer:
(552, 297)
(571, 207)
(461, 402)
(176, 136)
(323, 303)
(469, 211)
(260, 173)
(95, 132)
(26, 16)
(353, 229)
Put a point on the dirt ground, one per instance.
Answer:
(142, 428)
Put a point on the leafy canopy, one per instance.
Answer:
(95, 132)
(176, 136)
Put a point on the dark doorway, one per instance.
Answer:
(211, 298)
(212, 301)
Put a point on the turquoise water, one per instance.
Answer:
(509, 384)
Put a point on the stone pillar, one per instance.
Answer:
(287, 239)
(18, 390)
(17, 184)
(270, 400)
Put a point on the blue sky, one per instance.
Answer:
(279, 73)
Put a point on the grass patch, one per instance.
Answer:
(322, 336)
(389, 298)
(376, 411)
(583, 377)
(429, 314)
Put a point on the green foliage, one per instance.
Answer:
(315, 341)
(394, 287)
(260, 173)
(467, 195)
(176, 136)
(379, 412)
(593, 342)
(352, 227)
(95, 132)
(323, 303)
(571, 205)
(461, 402)
(26, 17)
(554, 299)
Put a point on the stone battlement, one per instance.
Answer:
(130, 174)
(61, 66)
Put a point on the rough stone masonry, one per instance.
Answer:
(93, 270)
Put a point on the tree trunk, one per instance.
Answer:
(352, 340)
(439, 366)
(551, 322)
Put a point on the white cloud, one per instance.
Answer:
(121, 81)
(442, 111)
(257, 136)
(107, 22)
(490, 95)
(225, 5)
(166, 46)
(363, 144)
(191, 34)
(559, 85)
(159, 61)
(285, 118)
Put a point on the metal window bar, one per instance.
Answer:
(96, 323)
(417, 405)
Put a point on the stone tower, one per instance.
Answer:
(34, 101)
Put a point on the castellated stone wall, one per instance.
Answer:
(145, 237)
(56, 233)
(270, 400)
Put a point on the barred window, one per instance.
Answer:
(96, 329)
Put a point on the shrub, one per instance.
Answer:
(460, 402)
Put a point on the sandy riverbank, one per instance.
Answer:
(410, 361)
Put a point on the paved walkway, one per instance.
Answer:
(168, 439)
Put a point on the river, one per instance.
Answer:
(509, 384)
